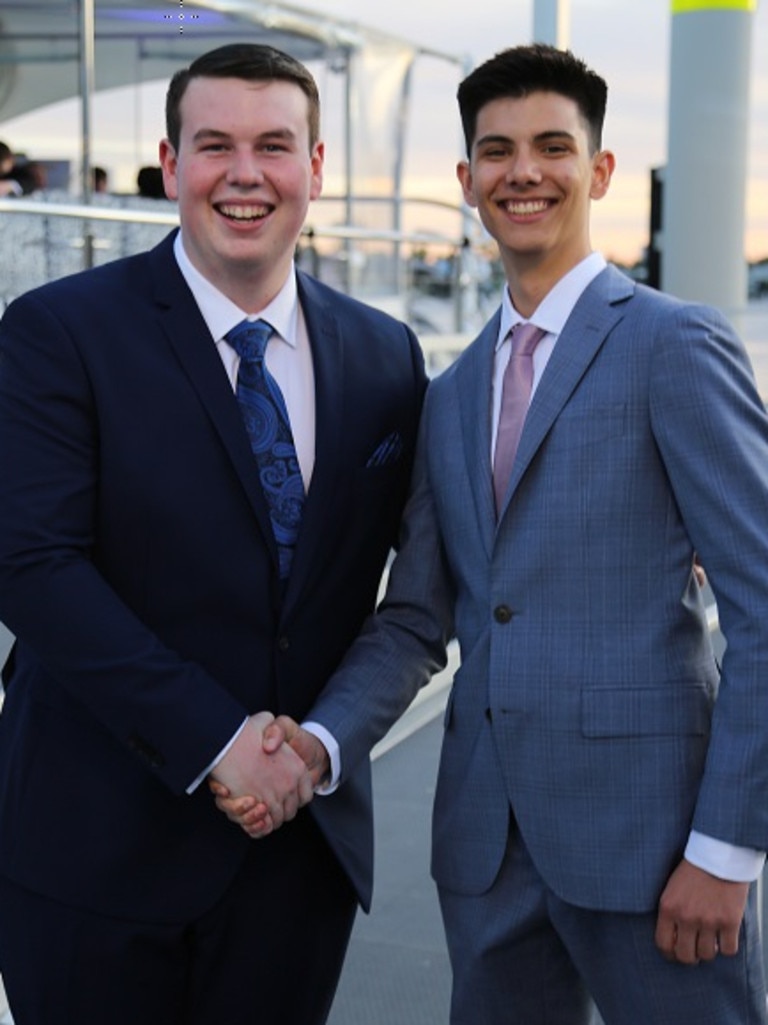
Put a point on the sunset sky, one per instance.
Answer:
(627, 41)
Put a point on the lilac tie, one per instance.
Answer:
(515, 397)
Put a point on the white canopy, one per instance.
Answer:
(142, 40)
(56, 49)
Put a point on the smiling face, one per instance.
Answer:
(244, 175)
(531, 176)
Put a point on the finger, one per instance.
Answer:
(217, 788)
(707, 946)
(289, 727)
(273, 738)
(236, 806)
(252, 818)
(686, 944)
(728, 941)
(666, 935)
(290, 806)
(259, 830)
(306, 790)
(277, 815)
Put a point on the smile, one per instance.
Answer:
(529, 206)
(243, 213)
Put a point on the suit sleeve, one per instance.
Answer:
(711, 428)
(404, 643)
(68, 619)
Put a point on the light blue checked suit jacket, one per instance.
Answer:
(588, 699)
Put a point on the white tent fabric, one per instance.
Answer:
(43, 56)
(142, 40)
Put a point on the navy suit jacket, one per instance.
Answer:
(138, 571)
(588, 699)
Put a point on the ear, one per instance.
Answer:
(169, 163)
(464, 174)
(317, 159)
(603, 165)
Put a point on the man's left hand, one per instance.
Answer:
(699, 915)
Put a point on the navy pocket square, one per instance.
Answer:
(388, 451)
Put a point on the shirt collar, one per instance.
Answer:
(221, 314)
(557, 305)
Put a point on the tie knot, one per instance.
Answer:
(249, 339)
(525, 338)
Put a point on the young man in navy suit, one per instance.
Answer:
(175, 578)
(600, 815)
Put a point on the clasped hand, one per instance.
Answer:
(270, 772)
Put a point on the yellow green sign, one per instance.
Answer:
(686, 6)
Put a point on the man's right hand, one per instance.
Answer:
(275, 780)
(249, 812)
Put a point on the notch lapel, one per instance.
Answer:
(185, 330)
(329, 368)
(473, 382)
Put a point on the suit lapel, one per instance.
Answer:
(328, 363)
(190, 340)
(473, 381)
(599, 308)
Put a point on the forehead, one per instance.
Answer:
(223, 103)
(519, 117)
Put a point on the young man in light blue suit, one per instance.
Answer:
(601, 808)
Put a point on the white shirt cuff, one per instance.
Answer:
(196, 782)
(724, 860)
(334, 755)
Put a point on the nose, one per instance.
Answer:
(245, 169)
(524, 168)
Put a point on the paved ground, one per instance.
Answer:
(397, 970)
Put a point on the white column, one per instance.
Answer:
(552, 22)
(705, 182)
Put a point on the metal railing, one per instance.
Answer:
(424, 277)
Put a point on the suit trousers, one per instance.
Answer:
(522, 956)
(269, 952)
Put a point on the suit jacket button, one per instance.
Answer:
(283, 644)
(502, 613)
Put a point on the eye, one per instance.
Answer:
(555, 148)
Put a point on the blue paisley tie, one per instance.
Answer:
(269, 430)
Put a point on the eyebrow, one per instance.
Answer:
(215, 133)
(541, 137)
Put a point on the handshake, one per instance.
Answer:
(269, 772)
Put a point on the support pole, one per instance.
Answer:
(552, 23)
(705, 181)
(87, 54)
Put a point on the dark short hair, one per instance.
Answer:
(522, 70)
(252, 62)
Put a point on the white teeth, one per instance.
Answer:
(244, 213)
(531, 206)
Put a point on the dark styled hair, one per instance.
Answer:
(252, 62)
(523, 70)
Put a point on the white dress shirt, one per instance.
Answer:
(289, 360)
(288, 356)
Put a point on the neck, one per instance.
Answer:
(530, 280)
